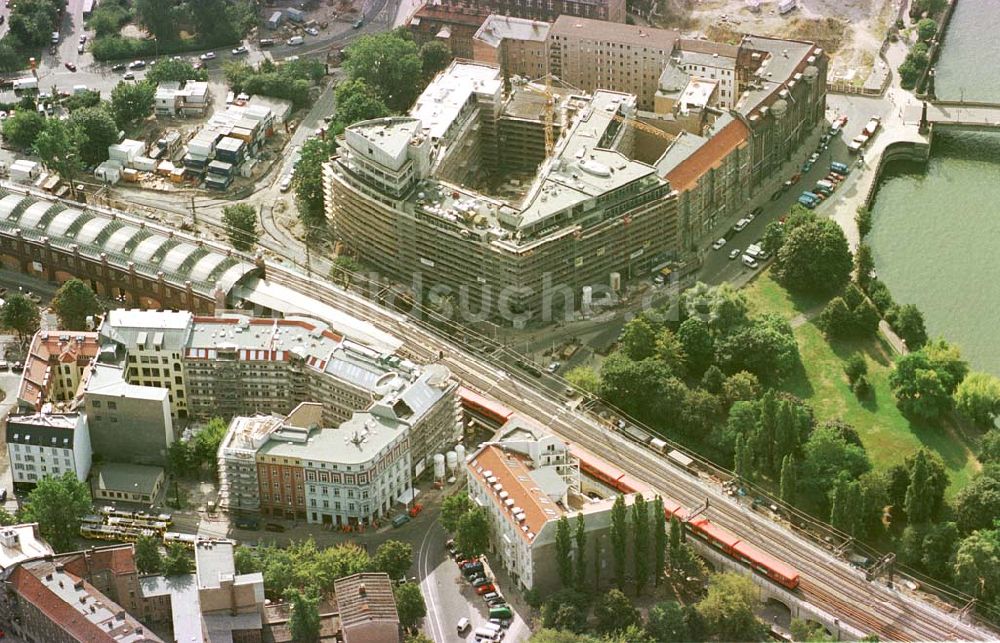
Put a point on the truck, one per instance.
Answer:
(295, 15)
(23, 84)
(808, 199)
(784, 6)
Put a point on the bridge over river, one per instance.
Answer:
(964, 114)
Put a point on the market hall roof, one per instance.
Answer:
(123, 242)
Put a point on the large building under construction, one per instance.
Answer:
(510, 200)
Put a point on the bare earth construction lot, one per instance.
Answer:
(851, 31)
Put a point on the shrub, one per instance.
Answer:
(862, 388)
(855, 367)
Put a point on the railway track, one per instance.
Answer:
(826, 581)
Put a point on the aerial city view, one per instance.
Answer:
(463, 321)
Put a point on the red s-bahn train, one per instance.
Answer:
(485, 408)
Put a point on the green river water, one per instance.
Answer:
(936, 234)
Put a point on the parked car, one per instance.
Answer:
(275, 527)
(266, 42)
(80, 48)
(735, 252)
(718, 243)
(239, 51)
(463, 625)
(756, 212)
(358, 23)
(741, 224)
(553, 367)
(295, 41)
(137, 64)
(17, 367)
(312, 31)
(208, 55)
(496, 600)
(479, 581)
(83, 38)
(128, 76)
(70, 66)
(750, 262)
(286, 183)
(118, 67)
(485, 589)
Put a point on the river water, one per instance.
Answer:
(936, 233)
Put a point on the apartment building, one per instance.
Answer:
(352, 473)
(54, 368)
(612, 11)
(128, 422)
(453, 23)
(588, 216)
(594, 55)
(48, 444)
(714, 61)
(49, 603)
(527, 480)
(516, 45)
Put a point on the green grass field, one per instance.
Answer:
(887, 435)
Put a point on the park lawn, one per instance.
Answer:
(888, 436)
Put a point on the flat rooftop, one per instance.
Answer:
(496, 28)
(355, 441)
(573, 27)
(447, 95)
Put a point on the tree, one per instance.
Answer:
(343, 269)
(180, 458)
(713, 381)
(410, 604)
(863, 219)
(660, 542)
(765, 347)
(57, 504)
(788, 481)
(978, 504)
(803, 630)
(619, 535)
(864, 265)
(132, 102)
(308, 181)
(740, 387)
(581, 548)
(774, 237)
(168, 69)
(394, 558)
(670, 351)
(908, 323)
(99, 131)
(846, 506)
(926, 29)
(472, 535)
(728, 608)
(666, 623)
(614, 611)
(147, 555)
(74, 303)
(640, 547)
(924, 380)
(22, 128)
(357, 101)
(814, 258)
(638, 339)
(836, 320)
(918, 509)
(989, 447)
(453, 508)
(696, 340)
(58, 145)
(390, 64)
(676, 538)
(304, 621)
(585, 378)
(978, 398)
(241, 225)
(722, 307)
(177, 561)
(205, 444)
(638, 387)
(416, 637)
(826, 456)
(20, 315)
(159, 17)
(564, 552)
(977, 564)
(434, 57)
(566, 609)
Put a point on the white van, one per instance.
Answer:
(749, 261)
(463, 624)
(486, 634)
(492, 626)
(295, 40)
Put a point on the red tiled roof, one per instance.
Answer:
(47, 349)
(31, 589)
(456, 16)
(516, 479)
(119, 559)
(688, 171)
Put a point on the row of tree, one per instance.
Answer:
(29, 26)
(73, 303)
(725, 612)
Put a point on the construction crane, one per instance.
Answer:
(639, 125)
(550, 107)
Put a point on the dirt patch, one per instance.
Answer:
(828, 33)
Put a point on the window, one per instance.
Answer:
(97, 404)
(112, 406)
